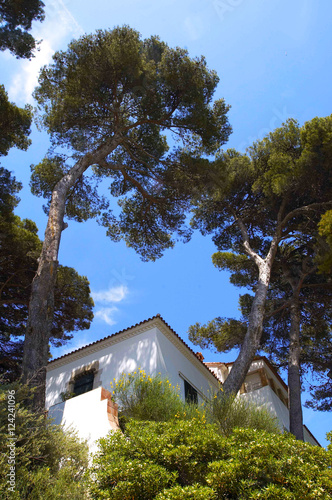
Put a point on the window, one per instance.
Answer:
(83, 383)
(190, 393)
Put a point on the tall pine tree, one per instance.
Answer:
(110, 104)
(253, 204)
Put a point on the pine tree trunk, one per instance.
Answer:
(36, 342)
(294, 378)
(253, 335)
(41, 305)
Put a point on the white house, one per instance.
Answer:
(153, 346)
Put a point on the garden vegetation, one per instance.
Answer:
(171, 450)
(49, 463)
(168, 450)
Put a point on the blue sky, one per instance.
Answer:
(274, 62)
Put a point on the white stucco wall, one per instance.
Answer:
(178, 367)
(86, 415)
(266, 398)
(219, 373)
(151, 350)
(308, 437)
(123, 356)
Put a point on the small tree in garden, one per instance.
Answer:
(229, 413)
(144, 397)
(110, 104)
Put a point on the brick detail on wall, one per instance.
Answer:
(112, 409)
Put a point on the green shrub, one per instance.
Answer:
(49, 463)
(229, 413)
(124, 479)
(192, 460)
(194, 492)
(145, 397)
(264, 465)
(180, 448)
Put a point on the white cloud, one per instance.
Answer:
(107, 314)
(114, 294)
(111, 296)
(58, 28)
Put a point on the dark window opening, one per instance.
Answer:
(190, 393)
(83, 383)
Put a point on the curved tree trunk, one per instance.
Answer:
(294, 378)
(253, 335)
(41, 305)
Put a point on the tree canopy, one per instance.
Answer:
(16, 17)
(14, 124)
(114, 85)
(325, 231)
(257, 201)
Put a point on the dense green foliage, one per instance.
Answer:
(194, 492)
(14, 124)
(20, 247)
(178, 452)
(190, 459)
(263, 465)
(49, 463)
(16, 17)
(144, 397)
(325, 230)
(153, 398)
(113, 87)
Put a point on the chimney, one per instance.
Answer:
(199, 355)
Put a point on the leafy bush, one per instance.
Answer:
(182, 449)
(49, 463)
(189, 459)
(229, 412)
(128, 479)
(263, 465)
(194, 492)
(145, 397)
